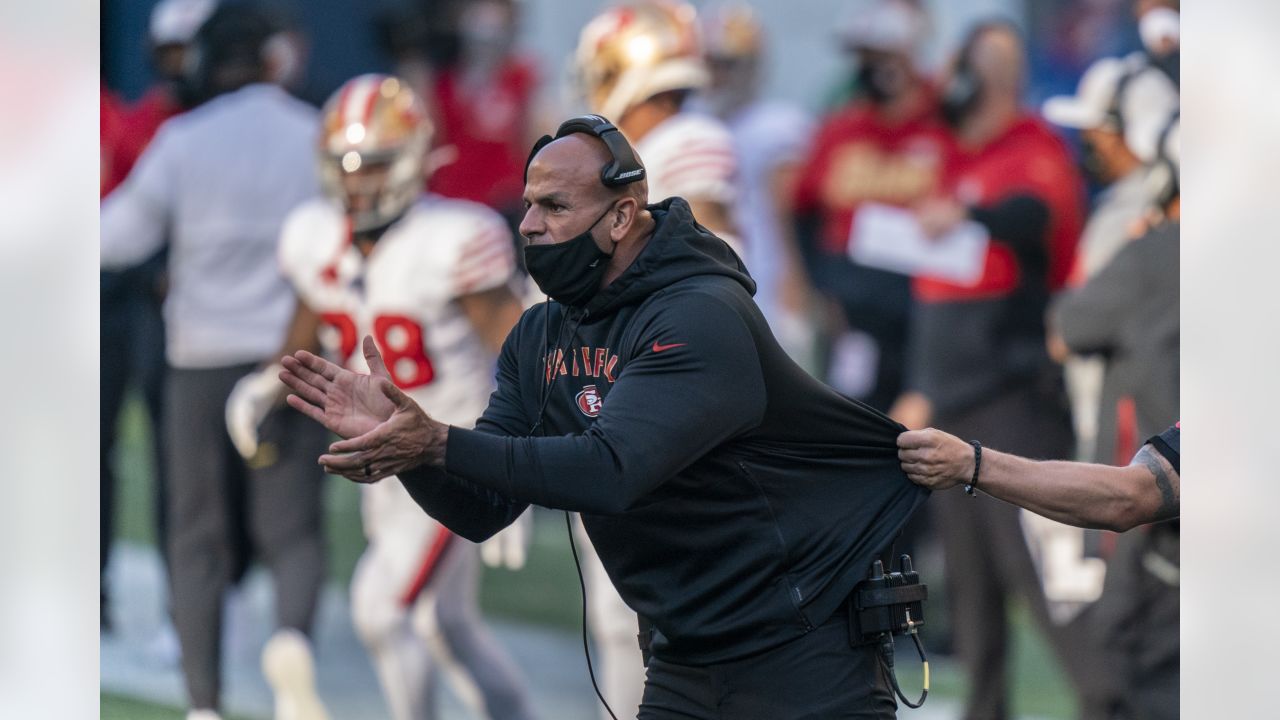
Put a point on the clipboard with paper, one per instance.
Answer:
(890, 238)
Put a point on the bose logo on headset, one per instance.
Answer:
(622, 169)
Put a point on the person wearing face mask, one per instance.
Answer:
(734, 500)
(1115, 96)
(1158, 26)
(886, 147)
(484, 105)
(641, 63)
(1127, 313)
(978, 368)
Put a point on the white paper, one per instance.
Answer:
(890, 238)
(855, 361)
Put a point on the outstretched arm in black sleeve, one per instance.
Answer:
(692, 381)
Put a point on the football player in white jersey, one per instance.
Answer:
(637, 64)
(431, 280)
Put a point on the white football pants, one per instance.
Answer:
(413, 603)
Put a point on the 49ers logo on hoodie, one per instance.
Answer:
(589, 401)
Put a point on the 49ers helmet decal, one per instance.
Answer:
(374, 137)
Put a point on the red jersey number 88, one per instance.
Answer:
(400, 340)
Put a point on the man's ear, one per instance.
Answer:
(624, 216)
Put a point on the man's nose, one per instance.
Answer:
(531, 225)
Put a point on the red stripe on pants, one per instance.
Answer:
(430, 562)
(1126, 431)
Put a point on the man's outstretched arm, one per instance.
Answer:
(665, 410)
(1081, 494)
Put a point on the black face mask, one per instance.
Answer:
(1168, 64)
(1094, 166)
(960, 97)
(880, 82)
(569, 272)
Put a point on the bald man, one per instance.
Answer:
(979, 369)
(734, 501)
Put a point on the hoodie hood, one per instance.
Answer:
(679, 248)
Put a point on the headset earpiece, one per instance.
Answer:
(622, 169)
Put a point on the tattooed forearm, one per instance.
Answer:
(1165, 483)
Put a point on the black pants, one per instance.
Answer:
(131, 353)
(815, 677)
(216, 504)
(987, 561)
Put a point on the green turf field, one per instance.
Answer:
(116, 707)
(546, 591)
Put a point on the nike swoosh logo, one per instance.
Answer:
(659, 348)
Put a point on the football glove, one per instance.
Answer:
(510, 546)
(252, 398)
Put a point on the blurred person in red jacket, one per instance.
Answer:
(484, 103)
(172, 26)
(978, 366)
(110, 126)
(886, 147)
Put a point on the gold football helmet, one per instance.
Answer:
(373, 145)
(634, 51)
(731, 31)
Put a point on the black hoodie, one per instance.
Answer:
(733, 500)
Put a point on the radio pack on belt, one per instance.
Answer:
(879, 608)
(883, 606)
(892, 603)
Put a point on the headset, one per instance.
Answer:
(623, 169)
(963, 91)
(1113, 118)
(1163, 182)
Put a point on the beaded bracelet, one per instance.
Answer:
(977, 465)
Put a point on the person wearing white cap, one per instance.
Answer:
(1129, 312)
(1101, 110)
(1159, 26)
(1119, 108)
(637, 63)
(172, 27)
